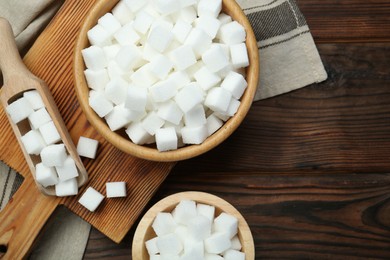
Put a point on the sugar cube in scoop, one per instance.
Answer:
(67, 188)
(53, 155)
(68, 170)
(46, 176)
(33, 142)
(34, 98)
(50, 133)
(19, 110)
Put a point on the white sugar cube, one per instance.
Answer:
(188, 97)
(116, 90)
(183, 57)
(100, 104)
(235, 83)
(209, 7)
(160, 37)
(164, 224)
(38, 118)
(193, 249)
(162, 91)
(236, 244)
(215, 58)
(96, 79)
(195, 117)
(50, 133)
(34, 98)
(221, 116)
(208, 256)
(166, 7)
(135, 5)
(33, 142)
(181, 30)
(115, 71)
(208, 24)
(217, 243)
(206, 211)
(53, 155)
(143, 21)
(194, 68)
(67, 188)
(46, 176)
(206, 78)
(116, 189)
(109, 23)
(226, 223)
(232, 33)
(180, 79)
(187, 14)
(224, 18)
(232, 254)
(149, 53)
(68, 170)
(91, 199)
(121, 116)
(199, 41)
(99, 36)
(169, 111)
(136, 98)
(143, 77)
(166, 139)
(239, 55)
(169, 244)
(128, 57)
(213, 124)
(218, 99)
(184, 211)
(87, 147)
(155, 257)
(126, 35)
(185, 3)
(160, 66)
(19, 110)
(199, 228)
(233, 107)
(194, 135)
(151, 246)
(94, 58)
(182, 233)
(152, 122)
(137, 133)
(111, 51)
(122, 13)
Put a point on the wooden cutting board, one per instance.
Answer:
(20, 222)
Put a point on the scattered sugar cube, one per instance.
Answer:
(96, 79)
(116, 90)
(182, 57)
(109, 23)
(209, 7)
(128, 57)
(208, 24)
(215, 58)
(135, 5)
(94, 58)
(226, 223)
(194, 135)
(169, 244)
(235, 83)
(34, 98)
(233, 107)
(143, 77)
(206, 78)
(137, 133)
(152, 122)
(126, 35)
(170, 111)
(151, 246)
(19, 110)
(217, 243)
(239, 55)
(46, 176)
(236, 244)
(67, 188)
(218, 99)
(180, 79)
(91, 199)
(166, 139)
(164, 224)
(181, 30)
(160, 66)
(184, 211)
(116, 189)
(53, 155)
(99, 36)
(33, 142)
(122, 13)
(166, 7)
(100, 104)
(232, 33)
(87, 147)
(38, 118)
(199, 228)
(50, 133)
(160, 37)
(68, 170)
(136, 98)
(188, 97)
(195, 117)
(143, 21)
(163, 91)
(213, 124)
(232, 254)
(206, 211)
(199, 41)
(208, 256)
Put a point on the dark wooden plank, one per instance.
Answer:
(347, 20)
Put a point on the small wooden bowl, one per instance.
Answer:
(119, 139)
(144, 230)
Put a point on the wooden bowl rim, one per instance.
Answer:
(186, 152)
(244, 232)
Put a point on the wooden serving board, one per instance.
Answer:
(20, 222)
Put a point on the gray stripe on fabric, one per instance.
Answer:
(285, 40)
(5, 187)
(18, 181)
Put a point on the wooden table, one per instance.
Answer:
(309, 170)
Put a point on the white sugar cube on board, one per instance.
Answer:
(232, 33)
(94, 58)
(206, 211)
(46, 176)
(236, 244)
(179, 78)
(137, 133)
(96, 79)
(50, 133)
(34, 98)
(217, 243)
(33, 142)
(194, 135)
(38, 118)
(199, 228)
(135, 5)
(195, 117)
(215, 58)
(152, 122)
(100, 104)
(68, 170)
(166, 7)
(206, 78)
(87, 147)
(143, 77)
(99, 36)
(160, 37)
(116, 90)
(182, 57)
(54, 155)
(169, 111)
(213, 124)
(127, 35)
(181, 30)
(122, 13)
(233, 107)
(208, 24)
(91, 199)
(166, 139)
(239, 55)
(67, 188)
(111, 51)
(209, 7)
(232, 254)
(116, 189)
(19, 110)
(143, 21)
(186, 14)
(109, 23)
(128, 57)
(163, 91)
(136, 98)
(199, 41)
(169, 244)
(164, 224)
(151, 246)
(160, 66)
(184, 211)
(188, 97)
(226, 223)
(218, 99)
(235, 83)
(185, 3)
(208, 256)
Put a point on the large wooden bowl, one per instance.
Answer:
(119, 139)
(144, 230)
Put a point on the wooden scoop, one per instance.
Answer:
(17, 80)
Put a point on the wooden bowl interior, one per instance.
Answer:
(144, 230)
(119, 138)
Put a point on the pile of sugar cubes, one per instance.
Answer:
(168, 71)
(190, 232)
(56, 167)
